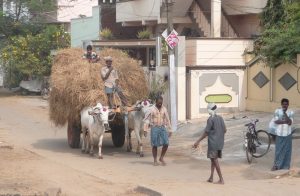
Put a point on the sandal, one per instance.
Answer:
(274, 168)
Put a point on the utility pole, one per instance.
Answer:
(172, 73)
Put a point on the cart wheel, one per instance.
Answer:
(118, 135)
(74, 134)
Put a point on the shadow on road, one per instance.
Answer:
(6, 92)
(60, 145)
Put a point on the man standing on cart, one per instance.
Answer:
(111, 82)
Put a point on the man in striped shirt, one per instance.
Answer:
(158, 120)
(91, 56)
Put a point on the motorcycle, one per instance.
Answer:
(45, 93)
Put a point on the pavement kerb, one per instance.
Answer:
(148, 191)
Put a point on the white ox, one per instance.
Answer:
(94, 121)
(135, 122)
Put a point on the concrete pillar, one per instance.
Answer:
(181, 79)
(216, 13)
(147, 57)
(242, 89)
(195, 94)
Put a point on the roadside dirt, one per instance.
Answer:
(35, 159)
(25, 173)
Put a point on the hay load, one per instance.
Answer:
(76, 83)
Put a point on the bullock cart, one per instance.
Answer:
(76, 83)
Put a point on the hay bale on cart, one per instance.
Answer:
(76, 83)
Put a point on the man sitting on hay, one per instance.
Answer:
(111, 82)
(91, 56)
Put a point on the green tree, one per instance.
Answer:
(26, 39)
(26, 16)
(30, 55)
(273, 13)
(280, 39)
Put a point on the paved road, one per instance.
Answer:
(24, 123)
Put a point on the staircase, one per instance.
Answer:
(202, 18)
(227, 28)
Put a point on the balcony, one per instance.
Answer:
(238, 7)
(141, 11)
(147, 12)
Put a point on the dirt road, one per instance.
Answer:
(35, 158)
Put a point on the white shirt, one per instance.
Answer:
(111, 80)
(282, 129)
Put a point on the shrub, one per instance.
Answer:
(144, 34)
(158, 87)
(106, 34)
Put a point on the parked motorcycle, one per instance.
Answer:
(45, 93)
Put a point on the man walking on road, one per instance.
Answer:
(158, 120)
(215, 130)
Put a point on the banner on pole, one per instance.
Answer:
(165, 33)
(171, 39)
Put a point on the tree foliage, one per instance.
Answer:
(30, 55)
(27, 39)
(273, 13)
(24, 16)
(280, 39)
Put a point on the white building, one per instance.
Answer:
(210, 61)
(217, 18)
(66, 10)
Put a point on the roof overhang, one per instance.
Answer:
(207, 67)
(139, 23)
(124, 43)
(163, 20)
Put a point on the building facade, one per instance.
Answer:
(211, 60)
(68, 10)
(196, 18)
